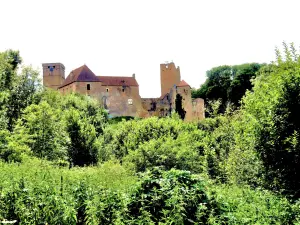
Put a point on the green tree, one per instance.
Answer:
(47, 131)
(83, 149)
(272, 113)
(9, 62)
(23, 94)
(228, 83)
(242, 81)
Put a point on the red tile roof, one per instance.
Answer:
(182, 84)
(83, 74)
(118, 81)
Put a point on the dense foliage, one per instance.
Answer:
(228, 83)
(64, 162)
(36, 192)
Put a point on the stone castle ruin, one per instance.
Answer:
(120, 95)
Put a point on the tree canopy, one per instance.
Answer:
(228, 83)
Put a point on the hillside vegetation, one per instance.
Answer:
(64, 162)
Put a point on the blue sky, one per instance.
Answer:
(118, 37)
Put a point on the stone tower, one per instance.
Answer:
(53, 75)
(169, 76)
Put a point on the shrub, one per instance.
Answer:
(173, 197)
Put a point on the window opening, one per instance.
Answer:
(88, 87)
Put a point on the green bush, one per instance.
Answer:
(173, 197)
(243, 205)
(183, 153)
(36, 192)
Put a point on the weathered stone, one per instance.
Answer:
(120, 95)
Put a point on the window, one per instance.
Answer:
(88, 87)
(123, 89)
(130, 101)
(107, 89)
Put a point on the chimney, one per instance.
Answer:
(133, 75)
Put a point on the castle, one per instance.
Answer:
(120, 95)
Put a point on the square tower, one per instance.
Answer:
(53, 75)
(169, 76)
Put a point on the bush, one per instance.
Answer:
(243, 205)
(173, 197)
(183, 153)
(119, 139)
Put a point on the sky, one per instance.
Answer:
(122, 37)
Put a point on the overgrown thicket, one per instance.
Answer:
(36, 192)
(237, 167)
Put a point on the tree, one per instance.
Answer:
(242, 81)
(23, 94)
(272, 111)
(9, 62)
(46, 130)
(228, 83)
(82, 149)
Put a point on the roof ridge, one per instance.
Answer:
(182, 83)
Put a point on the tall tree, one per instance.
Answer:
(228, 83)
(26, 86)
(271, 113)
(9, 62)
(46, 131)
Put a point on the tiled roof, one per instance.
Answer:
(118, 81)
(83, 74)
(182, 84)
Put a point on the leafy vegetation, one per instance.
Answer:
(228, 83)
(64, 162)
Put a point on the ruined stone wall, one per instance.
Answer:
(198, 109)
(185, 93)
(159, 107)
(150, 105)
